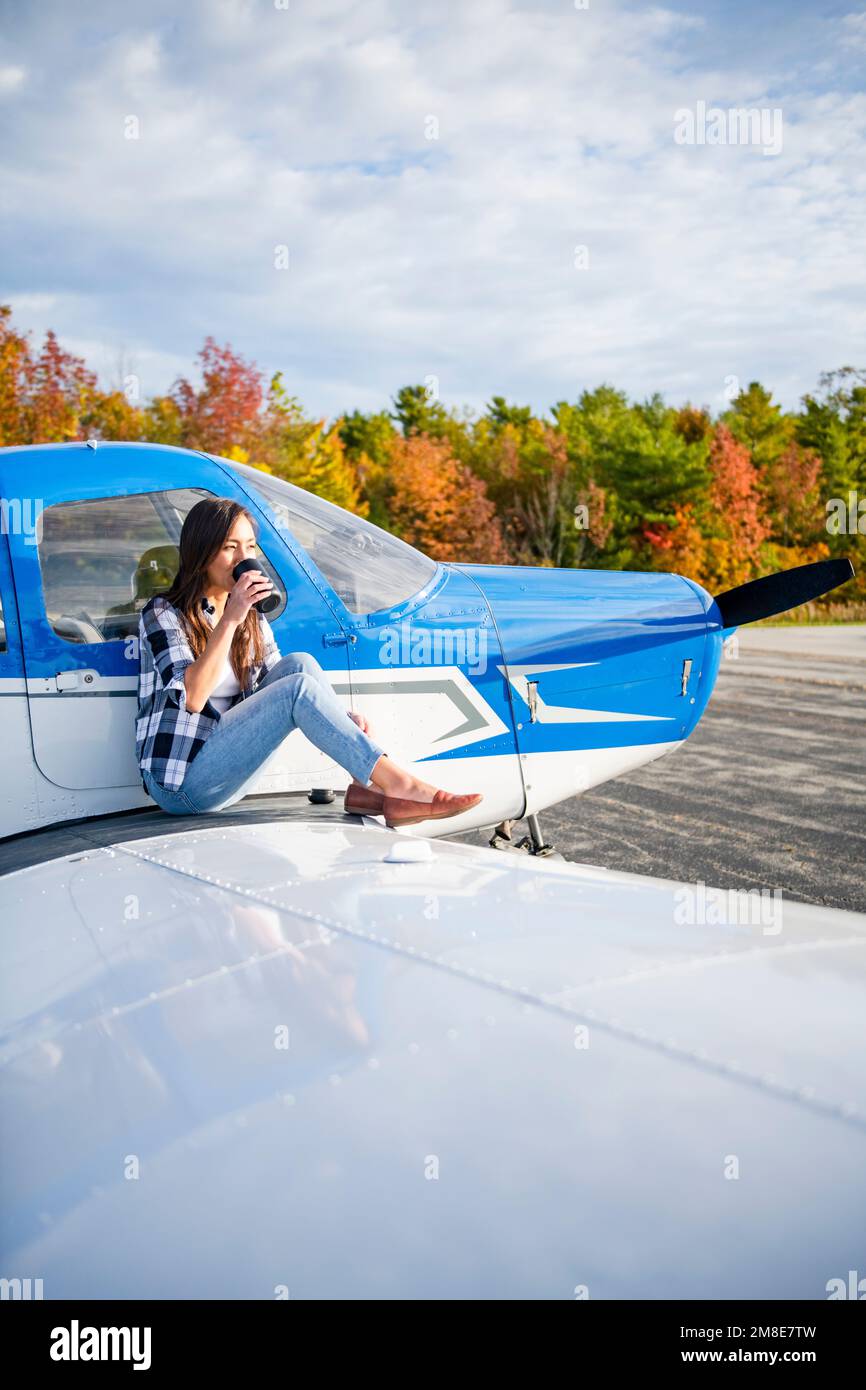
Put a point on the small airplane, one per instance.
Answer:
(282, 1052)
(528, 685)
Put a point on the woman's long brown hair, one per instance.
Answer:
(203, 534)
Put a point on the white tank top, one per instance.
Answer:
(227, 687)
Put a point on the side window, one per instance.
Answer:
(368, 568)
(103, 558)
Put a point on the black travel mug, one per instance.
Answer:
(270, 601)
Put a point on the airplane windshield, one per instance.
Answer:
(368, 568)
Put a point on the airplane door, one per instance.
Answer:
(83, 574)
(429, 677)
(16, 801)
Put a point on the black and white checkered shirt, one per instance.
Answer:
(168, 735)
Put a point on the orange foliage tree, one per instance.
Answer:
(42, 397)
(680, 547)
(437, 504)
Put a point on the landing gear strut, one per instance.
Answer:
(533, 843)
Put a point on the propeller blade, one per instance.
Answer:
(776, 593)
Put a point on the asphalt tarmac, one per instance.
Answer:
(769, 791)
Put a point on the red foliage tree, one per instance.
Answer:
(737, 523)
(221, 413)
(792, 487)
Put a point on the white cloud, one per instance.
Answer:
(11, 78)
(854, 29)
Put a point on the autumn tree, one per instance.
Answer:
(368, 439)
(792, 486)
(111, 415)
(438, 505)
(693, 424)
(680, 546)
(525, 465)
(738, 527)
(15, 368)
(648, 469)
(42, 397)
(220, 414)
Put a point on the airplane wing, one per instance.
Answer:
(327, 1060)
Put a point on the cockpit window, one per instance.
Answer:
(102, 559)
(368, 568)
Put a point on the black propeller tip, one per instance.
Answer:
(776, 593)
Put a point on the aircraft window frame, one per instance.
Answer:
(255, 481)
(96, 630)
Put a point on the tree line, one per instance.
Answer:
(602, 481)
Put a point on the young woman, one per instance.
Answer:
(216, 699)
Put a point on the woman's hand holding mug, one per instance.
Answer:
(251, 587)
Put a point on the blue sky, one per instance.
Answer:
(432, 170)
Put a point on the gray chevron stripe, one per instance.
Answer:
(473, 718)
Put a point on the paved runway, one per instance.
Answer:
(770, 790)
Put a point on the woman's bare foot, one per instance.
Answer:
(394, 781)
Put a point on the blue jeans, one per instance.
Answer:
(295, 694)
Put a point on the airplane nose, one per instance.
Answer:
(605, 670)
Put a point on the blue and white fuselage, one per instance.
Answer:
(529, 685)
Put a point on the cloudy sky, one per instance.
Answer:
(484, 193)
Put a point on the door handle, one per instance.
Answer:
(75, 680)
(336, 639)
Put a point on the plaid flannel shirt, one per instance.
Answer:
(168, 735)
